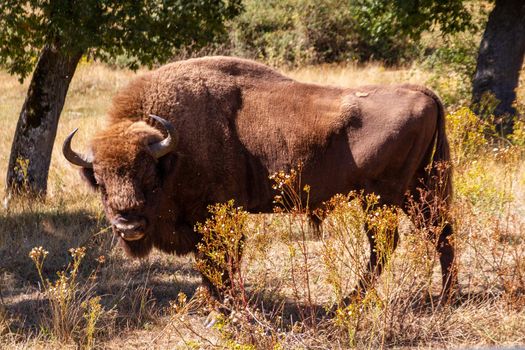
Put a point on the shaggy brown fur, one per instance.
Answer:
(238, 122)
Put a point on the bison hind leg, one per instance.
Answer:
(445, 249)
(430, 215)
(315, 223)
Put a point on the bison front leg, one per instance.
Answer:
(220, 268)
(213, 276)
(382, 242)
(217, 278)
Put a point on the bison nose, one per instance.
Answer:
(129, 223)
(130, 227)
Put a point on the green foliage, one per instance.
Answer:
(145, 31)
(483, 189)
(451, 61)
(380, 32)
(390, 30)
(416, 16)
(482, 161)
(294, 32)
(452, 68)
(518, 133)
(467, 134)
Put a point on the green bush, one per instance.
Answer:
(452, 65)
(296, 32)
(451, 61)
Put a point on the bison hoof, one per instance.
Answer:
(212, 319)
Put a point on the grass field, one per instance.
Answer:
(98, 298)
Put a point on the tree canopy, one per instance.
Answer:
(416, 16)
(146, 31)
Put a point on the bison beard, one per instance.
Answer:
(228, 123)
(137, 249)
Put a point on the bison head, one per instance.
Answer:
(127, 166)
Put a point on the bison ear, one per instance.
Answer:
(166, 164)
(89, 176)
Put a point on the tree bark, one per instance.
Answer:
(500, 59)
(37, 125)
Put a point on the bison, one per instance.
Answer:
(227, 124)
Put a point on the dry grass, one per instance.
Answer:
(289, 277)
(354, 75)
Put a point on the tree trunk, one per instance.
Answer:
(37, 124)
(500, 59)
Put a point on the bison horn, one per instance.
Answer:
(72, 156)
(167, 145)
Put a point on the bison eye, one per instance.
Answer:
(121, 172)
(101, 187)
(103, 192)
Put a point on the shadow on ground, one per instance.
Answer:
(53, 230)
(137, 291)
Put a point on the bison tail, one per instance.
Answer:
(439, 178)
